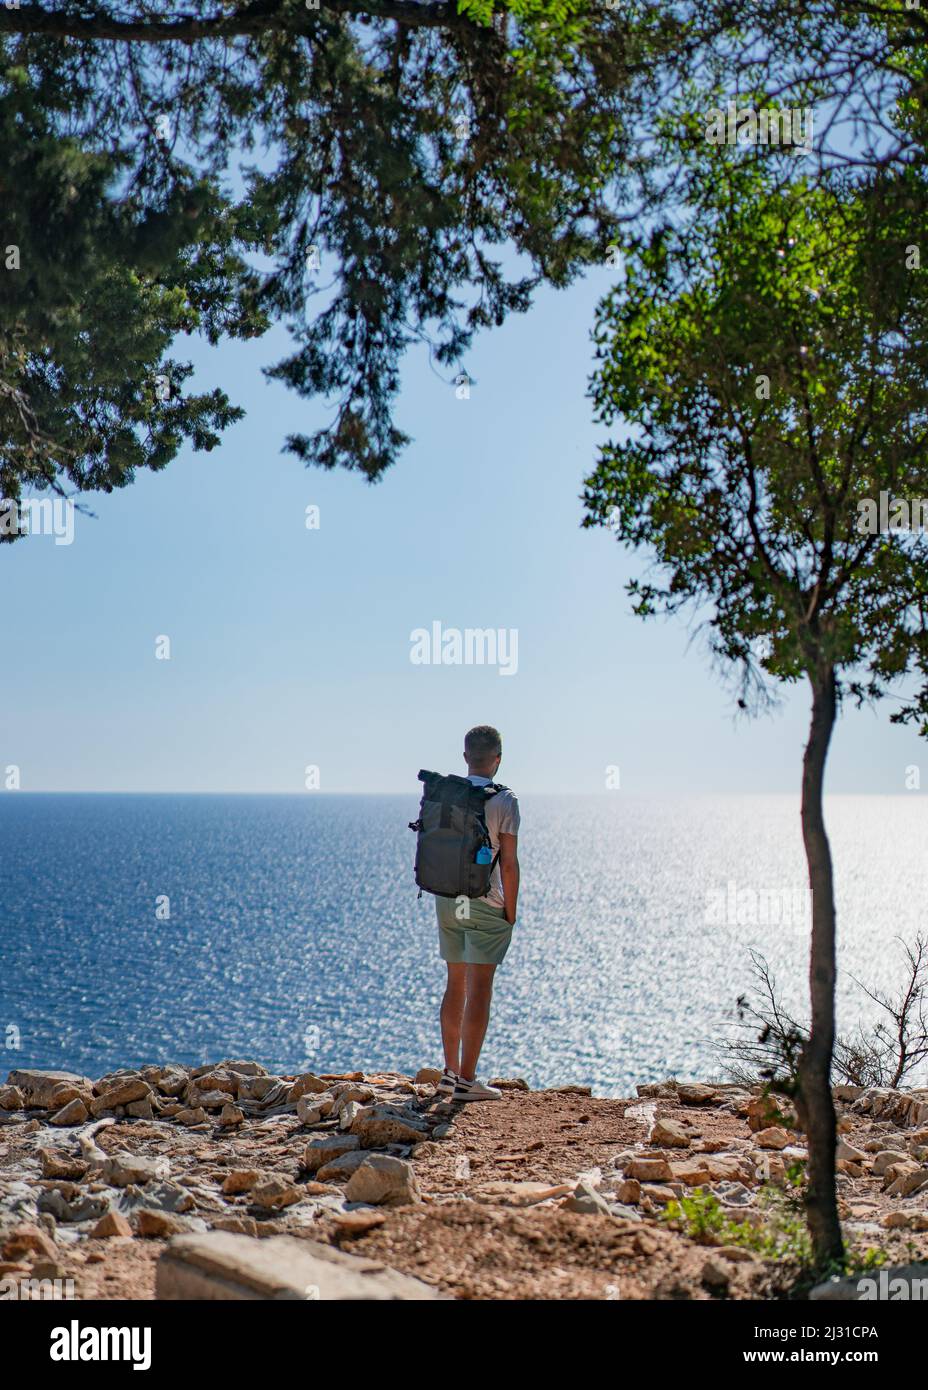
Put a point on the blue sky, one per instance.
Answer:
(291, 647)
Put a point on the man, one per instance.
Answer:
(474, 933)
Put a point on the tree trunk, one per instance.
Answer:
(814, 1099)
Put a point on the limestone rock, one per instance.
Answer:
(121, 1169)
(346, 1092)
(428, 1076)
(230, 1115)
(216, 1080)
(157, 1224)
(904, 1184)
(519, 1194)
(172, 1081)
(670, 1133)
(649, 1170)
(886, 1158)
(699, 1095)
(11, 1098)
(240, 1225)
(322, 1151)
(772, 1138)
(85, 1208)
(261, 1088)
(340, 1169)
(240, 1180)
(314, 1106)
(74, 1113)
(379, 1125)
(357, 1223)
(121, 1092)
(112, 1224)
(765, 1112)
(38, 1087)
(158, 1196)
(276, 1191)
(307, 1084)
(383, 1181)
(659, 1194)
(349, 1112)
(587, 1200)
(25, 1239)
(237, 1068)
(213, 1100)
(56, 1164)
(190, 1117)
(221, 1265)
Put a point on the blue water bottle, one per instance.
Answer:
(484, 855)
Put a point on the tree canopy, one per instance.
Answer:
(358, 172)
(770, 363)
(371, 173)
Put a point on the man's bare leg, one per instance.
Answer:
(452, 1014)
(476, 1016)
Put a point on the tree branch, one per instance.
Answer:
(260, 16)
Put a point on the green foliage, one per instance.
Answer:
(402, 155)
(781, 1236)
(102, 289)
(444, 160)
(768, 362)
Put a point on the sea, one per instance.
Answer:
(289, 930)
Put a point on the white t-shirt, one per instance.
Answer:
(502, 813)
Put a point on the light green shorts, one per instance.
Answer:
(482, 938)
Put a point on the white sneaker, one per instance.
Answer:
(449, 1079)
(475, 1090)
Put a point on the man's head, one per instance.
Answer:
(483, 750)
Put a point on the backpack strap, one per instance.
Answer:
(492, 788)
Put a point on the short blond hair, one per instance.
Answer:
(482, 742)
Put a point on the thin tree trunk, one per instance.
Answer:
(814, 1099)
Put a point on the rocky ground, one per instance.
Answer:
(544, 1194)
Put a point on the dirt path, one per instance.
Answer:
(480, 1230)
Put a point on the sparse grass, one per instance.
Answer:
(781, 1236)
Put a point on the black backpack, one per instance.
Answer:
(451, 833)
